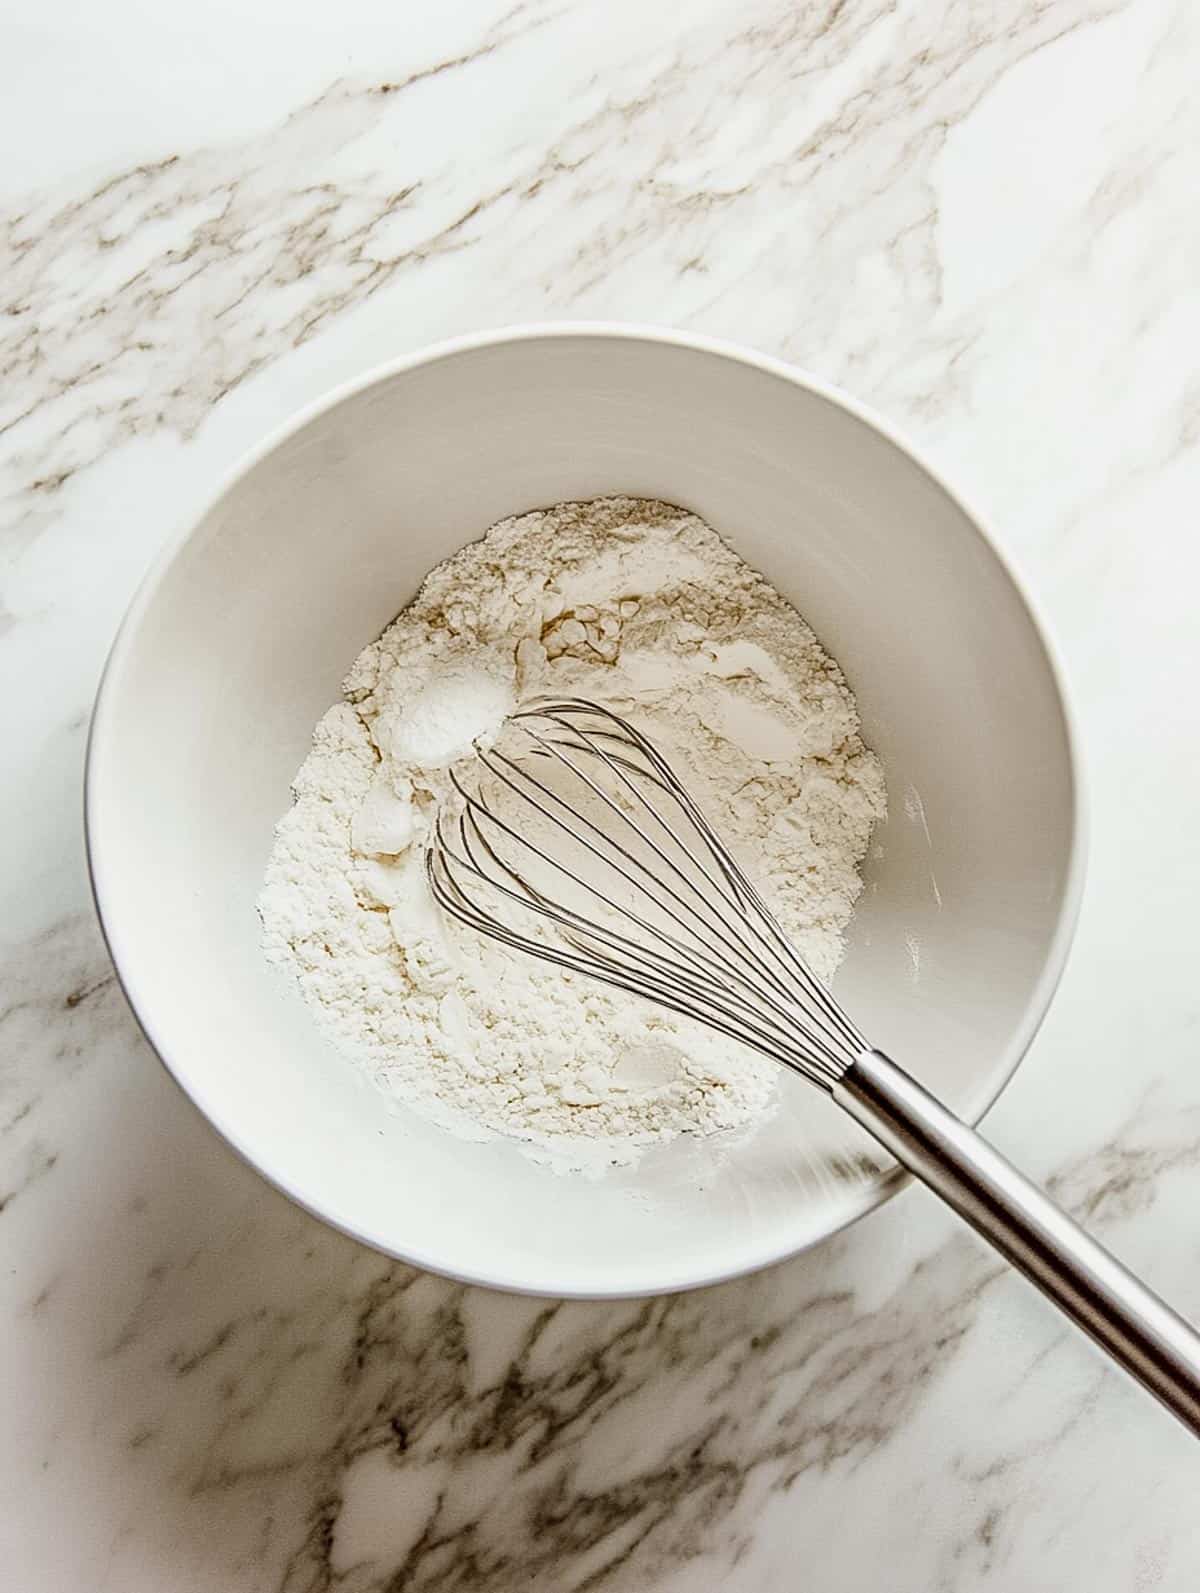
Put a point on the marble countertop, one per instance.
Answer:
(979, 218)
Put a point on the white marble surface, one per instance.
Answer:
(979, 217)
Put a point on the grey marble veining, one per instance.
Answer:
(255, 245)
(980, 218)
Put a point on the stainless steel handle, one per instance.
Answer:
(1137, 1329)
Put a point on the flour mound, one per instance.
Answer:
(641, 606)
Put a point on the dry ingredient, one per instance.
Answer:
(642, 606)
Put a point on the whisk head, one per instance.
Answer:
(574, 840)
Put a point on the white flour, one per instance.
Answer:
(643, 607)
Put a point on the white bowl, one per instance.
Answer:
(238, 641)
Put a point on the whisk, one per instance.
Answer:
(578, 844)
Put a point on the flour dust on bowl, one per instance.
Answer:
(241, 638)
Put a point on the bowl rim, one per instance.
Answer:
(872, 1194)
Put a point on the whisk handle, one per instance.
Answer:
(1091, 1287)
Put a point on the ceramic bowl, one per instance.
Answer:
(238, 641)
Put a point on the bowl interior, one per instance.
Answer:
(239, 642)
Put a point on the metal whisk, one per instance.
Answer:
(578, 844)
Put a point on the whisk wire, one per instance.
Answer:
(658, 974)
(737, 1022)
(686, 910)
(712, 951)
(743, 891)
(738, 887)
